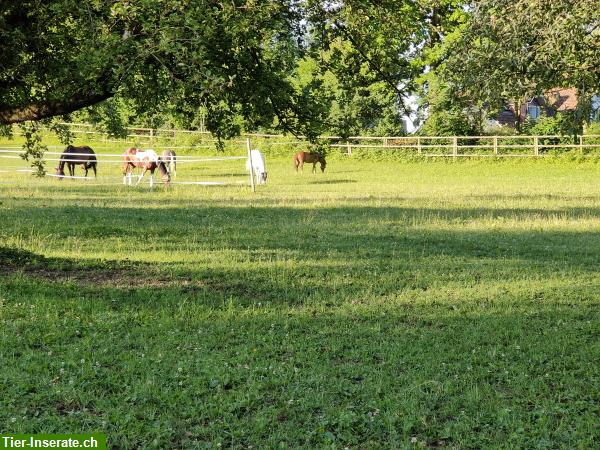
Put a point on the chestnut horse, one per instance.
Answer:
(309, 157)
(73, 156)
(147, 160)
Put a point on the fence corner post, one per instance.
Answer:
(250, 163)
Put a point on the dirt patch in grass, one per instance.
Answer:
(93, 272)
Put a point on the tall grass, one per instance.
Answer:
(378, 305)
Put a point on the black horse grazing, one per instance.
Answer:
(305, 157)
(73, 156)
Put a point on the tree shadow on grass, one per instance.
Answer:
(290, 256)
(342, 181)
(372, 375)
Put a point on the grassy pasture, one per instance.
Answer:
(380, 305)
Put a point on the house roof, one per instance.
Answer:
(562, 99)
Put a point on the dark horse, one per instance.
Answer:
(73, 156)
(170, 159)
(305, 157)
(147, 160)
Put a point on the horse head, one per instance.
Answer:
(322, 162)
(164, 172)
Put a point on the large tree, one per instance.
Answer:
(232, 57)
(512, 50)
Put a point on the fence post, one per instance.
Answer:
(536, 146)
(419, 145)
(581, 144)
(151, 136)
(251, 168)
(454, 146)
(348, 148)
(495, 145)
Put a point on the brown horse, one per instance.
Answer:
(147, 160)
(73, 156)
(309, 157)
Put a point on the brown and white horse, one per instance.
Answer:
(309, 157)
(73, 156)
(146, 160)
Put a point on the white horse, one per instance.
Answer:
(257, 163)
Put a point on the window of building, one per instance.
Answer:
(533, 111)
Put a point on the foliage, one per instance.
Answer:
(33, 146)
(445, 116)
(229, 57)
(593, 128)
(441, 112)
(514, 50)
(561, 124)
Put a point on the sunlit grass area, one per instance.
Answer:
(391, 304)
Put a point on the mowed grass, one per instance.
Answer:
(379, 305)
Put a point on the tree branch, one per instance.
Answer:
(42, 110)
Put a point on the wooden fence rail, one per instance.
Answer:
(431, 146)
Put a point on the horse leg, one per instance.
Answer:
(152, 178)
(71, 169)
(314, 167)
(141, 176)
(94, 167)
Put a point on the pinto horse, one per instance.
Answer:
(170, 159)
(309, 157)
(73, 156)
(147, 160)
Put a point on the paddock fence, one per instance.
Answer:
(500, 146)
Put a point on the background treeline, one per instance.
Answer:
(303, 67)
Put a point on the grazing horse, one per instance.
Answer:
(256, 162)
(147, 160)
(170, 159)
(309, 157)
(73, 156)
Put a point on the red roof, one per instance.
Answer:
(563, 99)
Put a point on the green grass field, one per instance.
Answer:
(379, 305)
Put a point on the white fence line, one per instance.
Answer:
(426, 146)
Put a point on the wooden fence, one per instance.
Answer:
(426, 146)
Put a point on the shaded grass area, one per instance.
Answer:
(409, 306)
